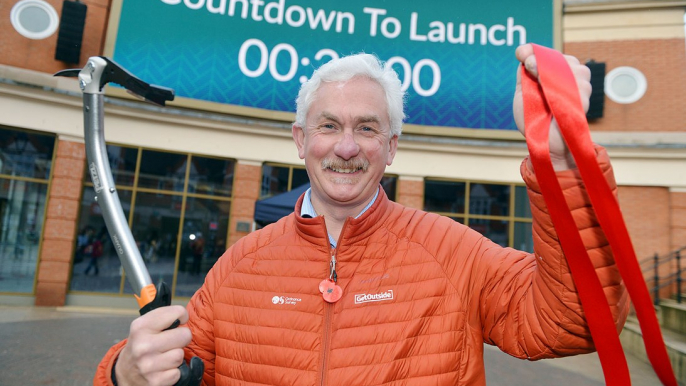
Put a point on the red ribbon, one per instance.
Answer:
(557, 96)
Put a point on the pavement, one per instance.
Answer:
(63, 346)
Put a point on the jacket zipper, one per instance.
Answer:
(326, 342)
(327, 329)
(328, 310)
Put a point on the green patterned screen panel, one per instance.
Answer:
(455, 58)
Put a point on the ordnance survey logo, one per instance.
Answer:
(285, 300)
(378, 297)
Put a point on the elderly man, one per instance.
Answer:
(353, 289)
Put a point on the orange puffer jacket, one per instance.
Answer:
(421, 294)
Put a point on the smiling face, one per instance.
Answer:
(346, 143)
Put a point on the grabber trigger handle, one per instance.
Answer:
(190, 375)
(149, 92)
(151, 299)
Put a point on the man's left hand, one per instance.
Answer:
(559, 153)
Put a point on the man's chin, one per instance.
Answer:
(345, 181)
(344, 191)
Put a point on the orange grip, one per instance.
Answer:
(148, 294)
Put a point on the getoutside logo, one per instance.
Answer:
(378, 297)
(285, 300)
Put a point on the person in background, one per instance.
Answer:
(94, 250)
(83, 240)
(152, 247)
(197, 250)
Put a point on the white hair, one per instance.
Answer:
(346, 68)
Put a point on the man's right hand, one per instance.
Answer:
(152, 355)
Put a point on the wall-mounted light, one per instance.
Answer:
(625, 85)
(34, 19)
(70, 35)
(597, 100)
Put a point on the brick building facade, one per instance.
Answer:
(646, 139)
(650, 40)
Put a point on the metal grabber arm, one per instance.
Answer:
(92, 78)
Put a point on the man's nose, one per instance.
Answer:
(346, 148)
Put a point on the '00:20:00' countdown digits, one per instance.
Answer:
(410, 75)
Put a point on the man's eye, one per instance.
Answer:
(329, 126)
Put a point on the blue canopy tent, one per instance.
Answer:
(272, 209)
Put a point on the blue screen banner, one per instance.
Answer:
(455, 58)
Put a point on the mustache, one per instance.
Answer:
(337, 163)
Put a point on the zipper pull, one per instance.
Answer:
(331, 292)
(333, 276)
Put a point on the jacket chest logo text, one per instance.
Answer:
(285, 300)
(377, 297)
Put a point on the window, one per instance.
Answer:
(499, 211)
(389, 184)
(178, 208)
(25, 165)
(280, 178)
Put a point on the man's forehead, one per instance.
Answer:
(355, 81)
(328, 115)
(352, 100)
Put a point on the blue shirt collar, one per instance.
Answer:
(307, 210)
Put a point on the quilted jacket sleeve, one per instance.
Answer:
(528, 304)
(200, 321)
(201, 315)
(202, 309)
(103, 374)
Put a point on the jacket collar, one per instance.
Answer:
(355, 231)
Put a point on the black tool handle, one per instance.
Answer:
(191, 375)
(150, 92)
(117, 74)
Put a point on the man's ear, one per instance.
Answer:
(299, 139)
(392, 148)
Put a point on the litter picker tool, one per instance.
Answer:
(92, 79)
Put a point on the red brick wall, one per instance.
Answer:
(663, 62)
(646, 212)
(60, 224)
(39, 55)
(655, 217)
(678, 220)
(246, 190)
(411, 193)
